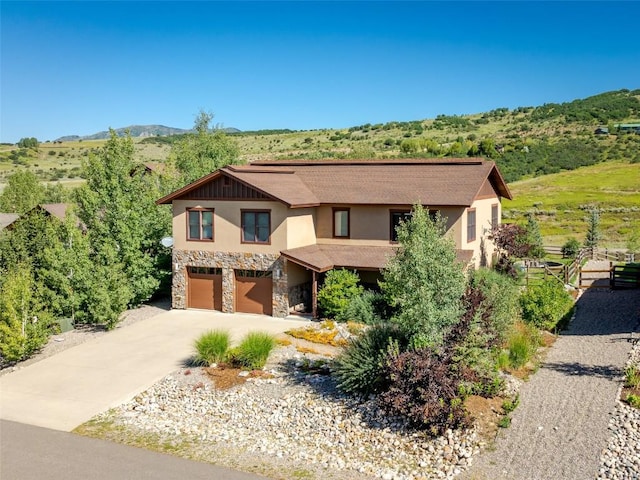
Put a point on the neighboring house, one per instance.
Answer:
(256, 238)
(7, 219)
(57, 210)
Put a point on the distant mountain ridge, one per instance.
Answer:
(140, 131)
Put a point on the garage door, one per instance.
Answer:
(253, 291)
(204, 288)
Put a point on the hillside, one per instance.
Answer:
(560, 201)
(526, 142)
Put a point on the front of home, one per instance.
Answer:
(257, 238)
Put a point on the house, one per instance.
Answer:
(58, 210)
(257, 238)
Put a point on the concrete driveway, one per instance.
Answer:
(67, 389)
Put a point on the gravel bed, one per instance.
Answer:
(621, 459)
(562, 425)
(83, 333)
(295, 419)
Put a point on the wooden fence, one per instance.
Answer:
(625, 276)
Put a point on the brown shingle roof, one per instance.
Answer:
(432, 182)
(324, 257)
(7, 219)
(58, 210)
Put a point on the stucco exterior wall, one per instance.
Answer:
(301, 229)
(482, 246)
(371, 225)
(226, 226)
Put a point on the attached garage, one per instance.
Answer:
(204, 286)
(254, 291)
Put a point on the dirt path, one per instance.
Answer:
(560, 427)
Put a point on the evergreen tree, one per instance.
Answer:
(424, 280)
(593, 231)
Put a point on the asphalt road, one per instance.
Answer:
(34, 453)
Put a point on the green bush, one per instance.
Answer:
(254, 350)
(339, 287)
(522, 344)
(546, 304)
(632, 376)
(364, 308)
(359, 368)
(633, 400)
(211, 347)
(571, 248)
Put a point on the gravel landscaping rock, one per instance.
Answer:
(297, 418)
(569, 409)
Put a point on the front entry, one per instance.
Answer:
(204, 288)
(254, 291)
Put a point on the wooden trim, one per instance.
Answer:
(252, 210)
(475, 225)
(333, 226)
(213, 230)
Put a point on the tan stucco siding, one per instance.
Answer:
(482, 246)
(301, 230)
(371, 225)
(297, 275)
(226, 226)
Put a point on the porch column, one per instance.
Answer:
(314, 294)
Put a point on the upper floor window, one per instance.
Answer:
(200, 224)
(471, 225)
(495, 219)
(341, 222)
(398, 217)
(256, 226)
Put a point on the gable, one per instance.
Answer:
(486, 191)
(224, 188)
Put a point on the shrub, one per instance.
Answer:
(424, 388)
(365, 308)
(546, 304)
(632, 376)
(254, 349)
(571, 248)
(633, 400)
(359, 368)
(211, 347)
(323, 335)
(339, 287)
(522, 344)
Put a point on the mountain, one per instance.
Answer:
(140, 131)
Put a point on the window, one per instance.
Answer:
(341, 222)
(471, 225)
(495, 220)
(256, 226)
(398, 217)
(200, 224)
(205, 270)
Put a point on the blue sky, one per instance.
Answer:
(75, 68)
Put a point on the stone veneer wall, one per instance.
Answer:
(228, 262)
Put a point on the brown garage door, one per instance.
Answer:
(253, 291)
(205, 288)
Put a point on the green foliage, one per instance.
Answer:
(254, 350)
(199, 154)
(633, 400)
(24, 324)
(211, 347)
(632, 376)
(571, 248)
(601, 108)
(546, 304)
(22, 193)
(30, 142)
(339, 287)
(522, 345)
(504, 422)
(594, 235)
(367, 308)
(534, 238)
(424, 281)
(500, 302)
(359, 369)
(117, 204)
(510, 405)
